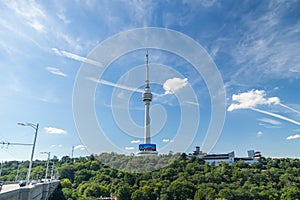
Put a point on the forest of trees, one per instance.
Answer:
(186, 178)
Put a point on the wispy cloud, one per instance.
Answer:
(52, 130)
(270, 121)
(63, 18)
(166, 140)
(54, 145)
(208, 3)
(80, 147)
(135, 141)
(76, 57)
(259, 133)
(270, 49)
(192, 103)
(129, 148)
(32, 18)
(293, 137)
(56, 71)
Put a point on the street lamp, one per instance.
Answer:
(47, 163)
(36, 127)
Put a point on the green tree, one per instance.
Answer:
(67, 192)
(124, 192)
(67, 171)
(205, 193)
(181, 190)
(94, 190)
(66, 183)
(82, 175)
(291, 193)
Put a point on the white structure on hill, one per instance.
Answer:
(228, 157)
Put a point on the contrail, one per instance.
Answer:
(76, 57)
(276, 115)
(292, 109)
(124, 87)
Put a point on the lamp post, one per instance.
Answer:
(1, 167)
(46, 176)
(17, 175)
(36, 127)
(52, 171)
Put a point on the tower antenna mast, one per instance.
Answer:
(147, 71)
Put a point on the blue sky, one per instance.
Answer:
(45, 45)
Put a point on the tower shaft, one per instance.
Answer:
(147, 98)
(147, 139)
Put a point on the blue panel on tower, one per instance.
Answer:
(147, 147)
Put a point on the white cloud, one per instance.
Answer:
(54, 145)
(31, 12)
(259, 134)
(36, 25)
(80, 147)
(270, 49)
(52, 130)
(208, 3)
(293, 137)
(173, 85)
(270, 121)
(63, 18)
(166, 140)
(135, 141)
(251, 99)
(192, 103)
(129, 148)
(56, 71)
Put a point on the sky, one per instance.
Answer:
(225, 76)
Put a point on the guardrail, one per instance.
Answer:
(41, 191)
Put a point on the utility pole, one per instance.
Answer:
(46, 176)
(72, 152)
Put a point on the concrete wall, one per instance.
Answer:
(36, 192)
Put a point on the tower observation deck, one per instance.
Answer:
(147, 149)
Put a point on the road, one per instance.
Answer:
(9, 187)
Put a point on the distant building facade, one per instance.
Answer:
(228, 157)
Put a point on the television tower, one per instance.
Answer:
(147, 149)
(147, 98)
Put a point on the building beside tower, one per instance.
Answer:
(147, 149)
(253, 157)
